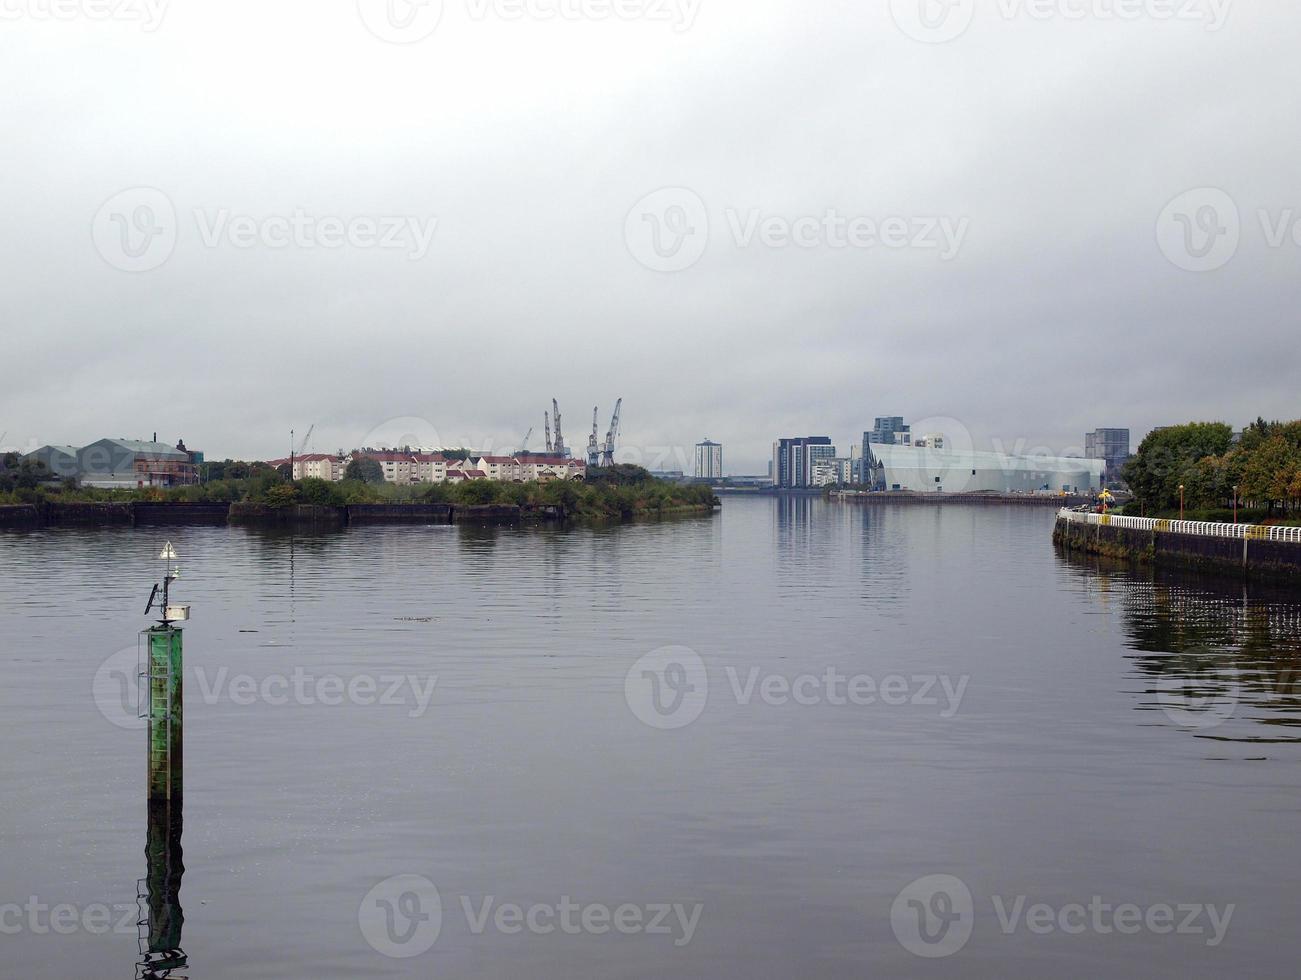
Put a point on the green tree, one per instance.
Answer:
(620, 474)
(1272, 469)
(281, 495)
(364, 469)
(321, 492)
(1164, 459)
(477, 492)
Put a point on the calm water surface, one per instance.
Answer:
(1033, 725)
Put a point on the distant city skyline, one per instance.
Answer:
(680, 456)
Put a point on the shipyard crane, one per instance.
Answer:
(525, 448)
(560, 439)
(607, 458)
(298, 451)
(546, 420)
(593, 447)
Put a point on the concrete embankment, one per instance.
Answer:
(1000, 499)
(297, 515)
(181, 513)
(1251, 555)
(399, 513)
(487, 514)
(67, 515)
(20, 515)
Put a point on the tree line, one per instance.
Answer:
(1206, 460)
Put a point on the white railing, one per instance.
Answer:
(1253, 532)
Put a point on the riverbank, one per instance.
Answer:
(145, 514)
(1238, 550)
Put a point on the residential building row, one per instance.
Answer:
(420, 467)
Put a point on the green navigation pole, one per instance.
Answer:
(164, 671)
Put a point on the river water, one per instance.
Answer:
(743, 746)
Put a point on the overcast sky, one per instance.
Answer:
(227, 220)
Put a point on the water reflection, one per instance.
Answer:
(158, 895)
(1220, 658)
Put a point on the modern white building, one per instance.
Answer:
(709, 460)
(930, 470)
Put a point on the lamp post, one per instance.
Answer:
(1235, 503)
(1181, 501)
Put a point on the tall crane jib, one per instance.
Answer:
(560, 439)
(607, 458)
(546, 420)
(593, 446)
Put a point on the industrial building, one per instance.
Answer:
(1109, 445)
(122, 464)
(927, 469)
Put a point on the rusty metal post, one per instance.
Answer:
(164, 689)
